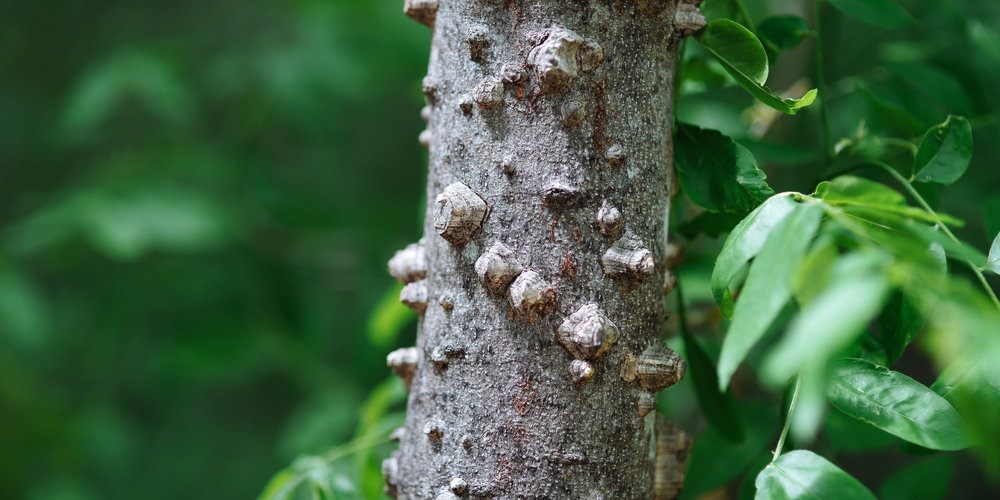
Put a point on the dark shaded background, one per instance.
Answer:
(197, 201)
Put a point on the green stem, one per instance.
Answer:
(821, 85)
(903, 143)
(920, 199)
(788, 417)
(746, 16)
(355, 445)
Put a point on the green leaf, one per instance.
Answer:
(744, 58)
(993, 259)
(699, 74)
(945, 152)
(932, 235)
(711, 224)
(906, 311)
(896, 404)
(744, 242)
(869, 348)
(768, 286)
(924, 480)
(737, 48)
(282, 485)
(779, 33)
(816, 271)
(885, 13)
(716, 173)
(898, 323)
(706, 472)
(785, 32)
(967, 379)
(850, 191)
(804, 474)
(720, 408)
(825, 326)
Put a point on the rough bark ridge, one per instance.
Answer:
(541, 274)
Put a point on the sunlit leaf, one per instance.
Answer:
(828, 324)
(816, 271)
(744, 242)
(742, 55)
(945, 152)
(736, 48)
(806, 475)
(850, 191)
(885, 13)
(717, 173)
(768, 286)
(896, 404)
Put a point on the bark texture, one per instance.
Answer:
(535, 367)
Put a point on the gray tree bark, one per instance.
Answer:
(541, 275)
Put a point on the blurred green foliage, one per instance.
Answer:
(197, 201)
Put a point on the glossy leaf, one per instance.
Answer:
(744, 242)
(706, 472)
(925, 480)
(825, 326)
(717, 173)
(974, 379)
(804, 474)
(850, 191)
(720, 408)
(744, 58)
(885, 13)
(768, 286)
(945, 152)
(896, 404)
(736, 48)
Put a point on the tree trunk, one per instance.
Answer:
(541, 274)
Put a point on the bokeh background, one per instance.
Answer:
(197, 201)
